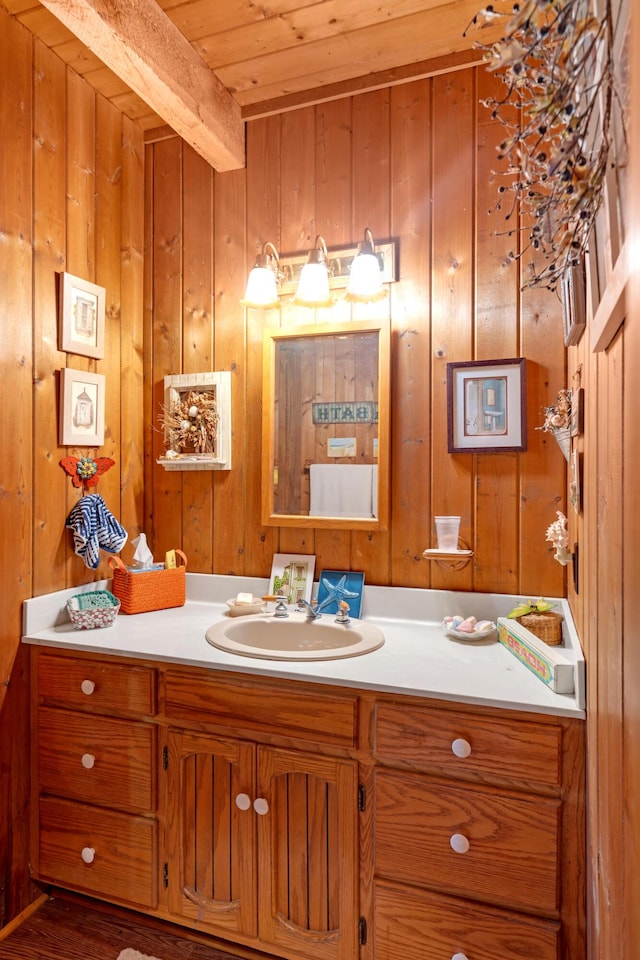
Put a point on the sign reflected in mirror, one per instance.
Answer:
(326, 426)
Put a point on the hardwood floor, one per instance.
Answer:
(73, 929)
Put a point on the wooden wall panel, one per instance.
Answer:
(230, 260)
(197, 347)
(62, 209)
(49, 242)
(16, 408)
(131, 333)
(402, 162)
(454, 152)
(371, 192)
(263, 224)
(411, 187)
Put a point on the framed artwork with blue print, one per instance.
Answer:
(337, 585)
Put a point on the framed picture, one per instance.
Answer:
(574, 299)
(292, 576)
(577, 412)
(81, 316)
(337, 585)
(486, 406)
(575, 481)
(81, 408)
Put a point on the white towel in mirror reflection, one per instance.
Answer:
(344, 490)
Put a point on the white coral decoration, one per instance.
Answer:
(558, 535)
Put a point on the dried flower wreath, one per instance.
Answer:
(191, 422)
(556, 61)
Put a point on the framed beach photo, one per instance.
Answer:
(337, 585)
(81, 408)
(292, 576)
(82, 311)
(486, 406)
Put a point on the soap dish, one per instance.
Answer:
(487, 628)
(243, 609)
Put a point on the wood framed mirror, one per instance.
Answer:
(325, 420)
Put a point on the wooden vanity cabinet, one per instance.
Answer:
(478, 824)
(95, 777)
(262, 838)
(310, 821)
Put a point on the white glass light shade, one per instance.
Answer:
(262, 291)
(313, 286)
(365, 282)
(365, 278)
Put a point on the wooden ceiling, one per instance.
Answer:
(206, 66)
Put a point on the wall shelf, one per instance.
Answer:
(450, 559)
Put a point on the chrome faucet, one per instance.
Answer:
(312, 614)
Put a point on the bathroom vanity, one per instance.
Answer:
(422, 802)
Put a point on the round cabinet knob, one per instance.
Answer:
(88, 760)
(459, 956)
(261, 806)
(88, 854)
(461, 748)
(87, 687)
(243, 801)
(459, 843)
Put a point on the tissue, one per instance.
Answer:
(142, 558)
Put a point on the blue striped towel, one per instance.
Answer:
(94, 528)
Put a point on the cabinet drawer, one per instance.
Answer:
(263, 707)
(415, 925)
(425, 739)
(97, 760)
(122, 851)
(94, 684)
(513, 841)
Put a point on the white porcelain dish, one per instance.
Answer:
(244, 609)
(468, 637)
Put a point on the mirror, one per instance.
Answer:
(325, 453)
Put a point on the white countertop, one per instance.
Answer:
(416, 658)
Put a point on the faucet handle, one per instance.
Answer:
(281, 605)
(342, 615)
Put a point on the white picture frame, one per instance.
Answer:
(292, 576)
(82, 313)
(82, 408)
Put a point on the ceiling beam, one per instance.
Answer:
(137, 40)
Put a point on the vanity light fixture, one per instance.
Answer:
(365, 277)
(262, 285)
(313, 286)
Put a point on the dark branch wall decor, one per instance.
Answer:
(556, 61)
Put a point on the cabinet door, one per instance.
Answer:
(307, 854)
(210, 832)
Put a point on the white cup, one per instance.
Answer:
(447, 530)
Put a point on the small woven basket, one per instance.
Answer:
(546, 626)
(150, 590)
(97, 608)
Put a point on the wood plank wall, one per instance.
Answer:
(71, 199)
(413, 162)
(607, 531)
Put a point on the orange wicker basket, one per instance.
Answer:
(151, 590)
(547, 626)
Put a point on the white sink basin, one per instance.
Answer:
(294, 637)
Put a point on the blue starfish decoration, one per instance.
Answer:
(335, 592)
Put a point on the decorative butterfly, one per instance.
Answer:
(84, 471)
